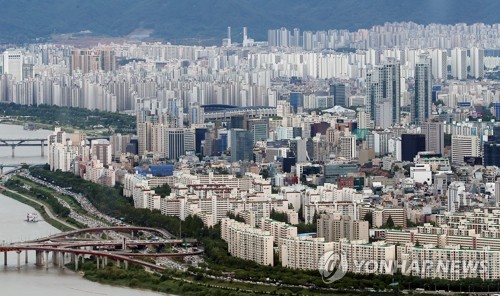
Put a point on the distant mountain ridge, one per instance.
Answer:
(24, 20)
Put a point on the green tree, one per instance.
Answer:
(163, 190)
(389, 223)
(369, 217)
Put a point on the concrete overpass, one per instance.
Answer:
(72, 243)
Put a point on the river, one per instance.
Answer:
(32, 280)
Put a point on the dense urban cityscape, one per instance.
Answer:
(380, 145)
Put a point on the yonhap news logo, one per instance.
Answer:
(332, 266)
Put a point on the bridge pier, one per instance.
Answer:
(18, 259)
(77, 258)
(61, 260)
(39, 258)
(124, 244)
(46, 260)
(26, 257)
(5, 258)
(55, 258)
(97, 260)
(13, 150)
(42, 151)
(126, 264)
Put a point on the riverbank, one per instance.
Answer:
(44, 211)
(184, 284)
(92, 121)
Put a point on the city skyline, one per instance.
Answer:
(267, 157)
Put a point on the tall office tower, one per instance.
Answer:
(439, 63)
(491, 154)
(241, 145)
(228, 36)
(296, 37)
(477, 62)
(296, 101)
(383, 85)
(491, 149)
(434, 136)
(347, 147)
(175, 143)
(13, 64)
(464, 146)
(411, 145)
(421, 106)
(259, 129)
(199, 137)
(189, 140)
(338, 91)
(459, 63)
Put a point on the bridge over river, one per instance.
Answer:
(83, 243)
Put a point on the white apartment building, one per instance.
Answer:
(334, 227)
(248, 243)
(62, 157)
(367, 258)
(303, 252)
(451, 262)
(278, 229)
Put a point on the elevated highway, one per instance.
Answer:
(71, 242)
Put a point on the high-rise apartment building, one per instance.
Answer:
(90, 60)
(101, 150)
(477, 62)
(334, 227)
(383, 85)
(459, 63)
(439, 63)
(421, 106)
